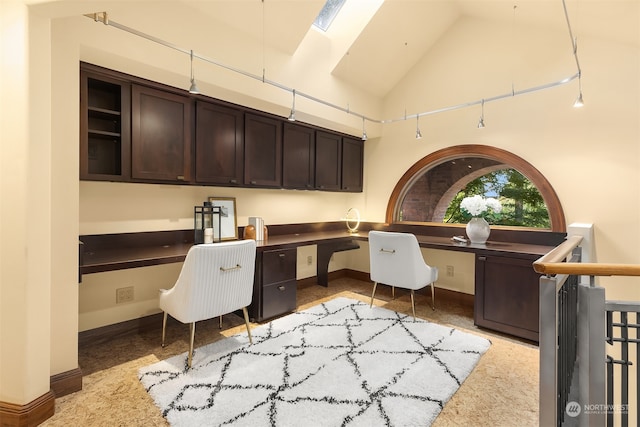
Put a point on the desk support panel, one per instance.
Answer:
(325, 250)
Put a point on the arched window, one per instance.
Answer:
(426, 190)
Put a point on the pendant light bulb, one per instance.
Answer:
(193, 88)
(579, 102)
(481, 121)
(364, 132)
(292, 115)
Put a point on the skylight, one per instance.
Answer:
(328, 13)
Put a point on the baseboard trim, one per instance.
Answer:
(154, 321)
(109, 332)
(66, 382)
(31, 414)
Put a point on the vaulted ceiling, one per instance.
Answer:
(376, 41)
(400, 32)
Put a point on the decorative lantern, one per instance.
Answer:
(203, 220)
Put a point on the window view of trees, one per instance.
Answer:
(522, 203)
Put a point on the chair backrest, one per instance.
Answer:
(215, 279)
(396, 260)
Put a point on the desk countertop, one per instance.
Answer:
(108, 259)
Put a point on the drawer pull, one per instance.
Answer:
(281, 288)
(281, 255)
(237, 267)
(390, 251)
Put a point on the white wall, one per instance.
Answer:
(25, 209)
(591, 156)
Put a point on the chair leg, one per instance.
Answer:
(164, 327)
(246, 322)
(193, 334)
(413, 305)
(220, 321)
(433, 297)
(374, 292)
(393, 292)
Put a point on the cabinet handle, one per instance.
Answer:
(180, 177)
(482, 258)
(281, 288)
(281, 255)
(253, 182)
(233, 181)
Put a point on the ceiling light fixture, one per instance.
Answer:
(193, 88)
(292, 115)
(579, 102)
(574, 43)
(102, 17)
(481, 122)
(364, 132)
(418, 133)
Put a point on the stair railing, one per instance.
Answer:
(577, 381)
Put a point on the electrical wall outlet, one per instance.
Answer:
(309, 260)
(450, 270)
(124, 294)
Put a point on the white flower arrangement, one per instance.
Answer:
(478, 206)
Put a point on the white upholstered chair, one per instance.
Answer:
(396, 260)
(216, 279)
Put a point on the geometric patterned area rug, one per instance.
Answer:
(340, 363)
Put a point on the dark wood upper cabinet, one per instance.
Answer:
(135, 130)
(219, 144)
(161, 135)
(262, 151)
(298, 157)
(105, 127)
(352, 164)
(328, 161)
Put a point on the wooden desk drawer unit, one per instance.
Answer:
(277, 282)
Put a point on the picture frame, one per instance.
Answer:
(228, 228)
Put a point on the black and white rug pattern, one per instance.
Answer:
(340, 363)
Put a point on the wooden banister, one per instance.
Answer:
(552, 263)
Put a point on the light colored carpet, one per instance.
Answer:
(337, 363)
(502, 391)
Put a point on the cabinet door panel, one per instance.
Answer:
(298, 157)
(279, 266)
(219, 148)
(279, 299)
(105, 127)
(352, 160)
(262, 151)
(328, 161)
(161, 136)
(507, 296)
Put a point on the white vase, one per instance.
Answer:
(478, 230)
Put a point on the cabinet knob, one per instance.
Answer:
(281, 255)
(253, 182)
(233, 181)
(180, 177)
(281, 288)
(482, 258)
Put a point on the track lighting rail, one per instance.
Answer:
(103, 17)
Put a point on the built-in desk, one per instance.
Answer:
(506, 286)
